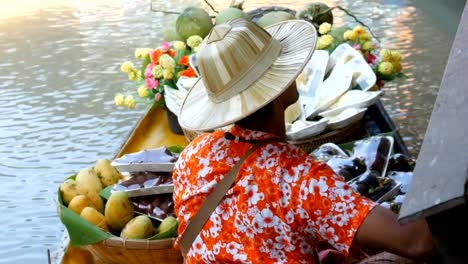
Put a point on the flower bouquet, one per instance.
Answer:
(161, 67)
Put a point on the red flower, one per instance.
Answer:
(155, 56)
(171, 53)
(370, 58)
(184, 60)
(189, 72)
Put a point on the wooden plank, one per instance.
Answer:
(441, 169)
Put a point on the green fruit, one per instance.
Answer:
(167, 224)
(229, 14)
(119, 210)
(274, 17)
(171, 35)
(139, 227)
(193, 21)
(316, 13)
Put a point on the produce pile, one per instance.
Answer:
(92, 195)
(371, 168)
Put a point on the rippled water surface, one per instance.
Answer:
(59, 71)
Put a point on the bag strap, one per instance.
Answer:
(214, 198)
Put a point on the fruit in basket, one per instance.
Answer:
(167, 224)
(79, 202)
(88, 178)
(139, 227)
(119, 210)
(316, 13)
(229, 14)
(171, 35)
(91, 215)
(70, 189)
(93, 196)
(274, 17)
(106, 172)
(193, 21)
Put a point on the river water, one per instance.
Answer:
(59, 72)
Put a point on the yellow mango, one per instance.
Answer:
(88, 178)
(70, 189)
(119, 210)
(79, 202)
(139, 227)
(91, 215)
(93, 197)
(106, 172)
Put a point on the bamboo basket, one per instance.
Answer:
(135, 251)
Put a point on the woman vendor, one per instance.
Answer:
(281, 203)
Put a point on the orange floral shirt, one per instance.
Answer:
(281, 205)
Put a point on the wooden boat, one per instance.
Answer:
(152, 131)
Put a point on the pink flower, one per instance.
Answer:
(370, 58)
(356, 47)
(165, 46)
(157, 97)
(149, 71)
(151, 83)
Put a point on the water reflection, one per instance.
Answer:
(59, 63)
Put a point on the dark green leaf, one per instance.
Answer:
(172, 232)
(144, 65)
(106, 192)
(175, 149)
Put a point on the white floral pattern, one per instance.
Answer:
(282, 204)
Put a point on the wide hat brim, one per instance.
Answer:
(298, 39)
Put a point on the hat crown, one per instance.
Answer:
(233, 56)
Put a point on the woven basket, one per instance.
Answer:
(133, 251)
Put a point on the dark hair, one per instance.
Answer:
(262, 113)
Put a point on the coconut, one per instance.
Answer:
(316, 13)
(229, 14)
(171, 35)
(193, 21)
(274, 17)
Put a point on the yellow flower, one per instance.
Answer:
(396, 55)
(365, 37)
(166, 62)
(179, 45)
(194, 41)
(127, 67)
(157, 71)
(119, 99)
(359, 30)
(142, 91)
(129, 101)
(386, 55)
(324, 28)
(324, 41)
(141, 53)
(168, 74)
(397, 66)
(385, 68)
(368, 45)
(196, 48)
(349, 35)
(133, 75)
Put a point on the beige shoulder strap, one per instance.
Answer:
(214, 198)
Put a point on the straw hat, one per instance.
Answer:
(243, 68)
